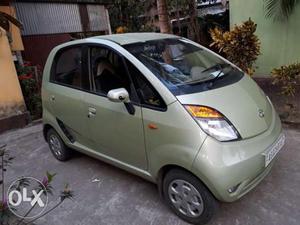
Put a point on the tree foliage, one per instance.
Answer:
(240, 45)
(127, 13)
(130, 14)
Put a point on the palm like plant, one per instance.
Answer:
(280, 9)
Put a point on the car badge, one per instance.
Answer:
(261, 113)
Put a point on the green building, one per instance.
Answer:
(280, 40)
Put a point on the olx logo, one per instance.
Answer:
(24, 198)
(27, 198)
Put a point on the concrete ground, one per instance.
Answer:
(107, 195)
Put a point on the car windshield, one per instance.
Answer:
(184, 67)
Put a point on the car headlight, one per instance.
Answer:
(213, 123)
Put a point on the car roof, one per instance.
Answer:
(131, 38)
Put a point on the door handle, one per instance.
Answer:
(52, 98)
(92, 112)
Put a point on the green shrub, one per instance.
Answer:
(30, 89)
(288, 77)
(240, 45)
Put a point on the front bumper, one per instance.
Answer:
(238, 166)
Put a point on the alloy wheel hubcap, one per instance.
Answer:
(55, 145)
(185, 197)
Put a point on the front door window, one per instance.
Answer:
(108, 71)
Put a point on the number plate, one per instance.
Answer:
(273, 150)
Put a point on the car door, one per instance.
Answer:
(115, 132)
(65, 90)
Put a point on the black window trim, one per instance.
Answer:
(85, 69)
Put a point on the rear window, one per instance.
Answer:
(67, 69)
(184, 68)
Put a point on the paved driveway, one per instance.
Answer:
(121, 198)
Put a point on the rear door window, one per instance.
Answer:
(67, 69)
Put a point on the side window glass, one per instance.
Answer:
(146, 92)
(108, 71)
(68, 69)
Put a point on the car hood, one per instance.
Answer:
(243, 103)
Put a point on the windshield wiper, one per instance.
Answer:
(219, 66)
(212, 82)
(195, 81)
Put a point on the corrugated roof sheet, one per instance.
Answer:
(54, 18)
(97, 17)
(48, 18)
(102, 2)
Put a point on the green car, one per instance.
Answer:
(166, 109)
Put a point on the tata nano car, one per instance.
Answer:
(166, 109)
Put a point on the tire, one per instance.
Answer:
(188, 197)
(58, 148)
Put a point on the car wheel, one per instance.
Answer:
(57, 146)
(187, 196)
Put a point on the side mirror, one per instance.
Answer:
(118, 95)
(121, 95)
